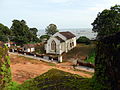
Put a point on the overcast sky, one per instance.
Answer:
(63, 13)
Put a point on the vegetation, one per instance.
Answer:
(56, 80)
(83, 39)
(22, 34)
(5, 71)
(107, 22)
(91, 57)
(5, 32)
(51, 29)
(81, 50)
(42, 37)
(40, 49)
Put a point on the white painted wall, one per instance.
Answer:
(60, 47)
(29, 50)
(48, 46)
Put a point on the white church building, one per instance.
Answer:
(60, 42)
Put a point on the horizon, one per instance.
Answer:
(64, 13)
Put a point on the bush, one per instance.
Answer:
(40, 49)
(44, 37)
(83, 39)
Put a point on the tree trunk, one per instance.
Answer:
(107, 62)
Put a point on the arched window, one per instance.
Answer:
(53, 45)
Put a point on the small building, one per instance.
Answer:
(29, 48)
(60, 42)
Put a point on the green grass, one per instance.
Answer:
(56, 80)
(79, 51)
(91, 58)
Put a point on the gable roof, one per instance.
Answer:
(60, 39)
(68, 34)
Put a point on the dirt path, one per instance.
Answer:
(26, 68)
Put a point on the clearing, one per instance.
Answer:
(26, 68)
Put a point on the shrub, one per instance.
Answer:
(83, 39)
(43, 37)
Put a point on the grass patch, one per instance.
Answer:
(56, 80)
(51, 64)
(12, 86)
(79, 51)
(91, 58)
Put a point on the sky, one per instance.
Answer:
(64, 13)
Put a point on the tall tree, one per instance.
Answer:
(51, 29)
(107, 22)
(22, 33)
(33, 31)
(5, 32)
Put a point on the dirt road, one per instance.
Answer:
(26, 68)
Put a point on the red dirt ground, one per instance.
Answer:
(25, 68)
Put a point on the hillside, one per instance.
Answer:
(79, 52)
(56, 80)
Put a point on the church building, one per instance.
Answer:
(60, 42)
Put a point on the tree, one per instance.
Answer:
(51, 29)
(22, 33)
(42, 37)
(83, 39)
(33, 35)
(5, 32)
(107, 22)
(33, 31)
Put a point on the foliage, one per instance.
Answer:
(42, 37)
(83, 39)
(40, 49)
(12, 86)
(107, 22)
(91, 58)
(79, 51)
(5, 72)
(5, 32)
(22, 34)
(51, 29)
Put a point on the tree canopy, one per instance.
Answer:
(51, 29)
(22, 34)
(83, 39)
(107, 22)
(5, 32)
(42, 37)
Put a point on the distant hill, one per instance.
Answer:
(56, 80)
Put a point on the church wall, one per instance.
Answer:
(48, 46)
